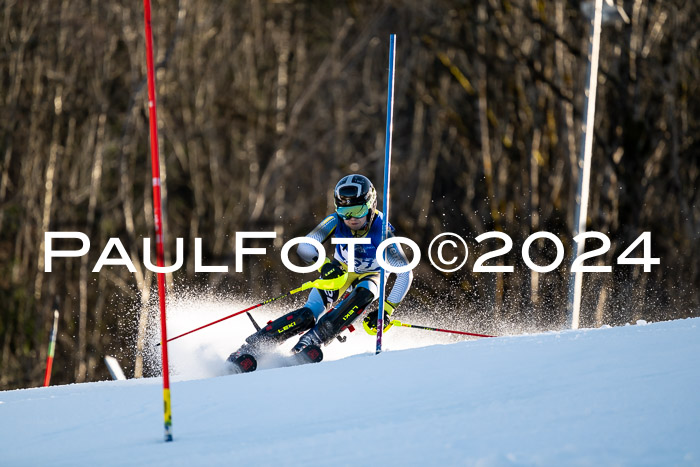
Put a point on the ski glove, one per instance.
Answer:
(331, 269)
(370, 321)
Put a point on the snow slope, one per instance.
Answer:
(611, 396)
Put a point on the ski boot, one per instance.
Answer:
(307, 349)
(310, 354)
(242, 362)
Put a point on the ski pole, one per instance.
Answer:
(52, 346)
(325, 284)
(406, 325)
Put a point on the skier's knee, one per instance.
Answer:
(364, 296)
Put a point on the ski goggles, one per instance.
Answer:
(350, 212)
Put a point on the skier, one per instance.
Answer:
(355, 216)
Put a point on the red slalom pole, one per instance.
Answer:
(406, 325)
(158, 215)
(52, 347)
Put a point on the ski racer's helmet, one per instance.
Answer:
(355, 196)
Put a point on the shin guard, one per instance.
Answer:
(333, 322)
(283, 328)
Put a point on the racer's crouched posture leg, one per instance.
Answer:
(277, 331)
(338, 319)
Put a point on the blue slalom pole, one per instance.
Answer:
(387, 176)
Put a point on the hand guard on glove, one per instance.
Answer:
(370, 321)
(331, 269)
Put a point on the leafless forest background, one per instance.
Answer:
(263, 105)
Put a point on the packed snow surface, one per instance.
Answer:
(612, 396)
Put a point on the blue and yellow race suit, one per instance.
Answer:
(367, 268)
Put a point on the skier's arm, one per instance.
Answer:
(325, 229)
(396, 258)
